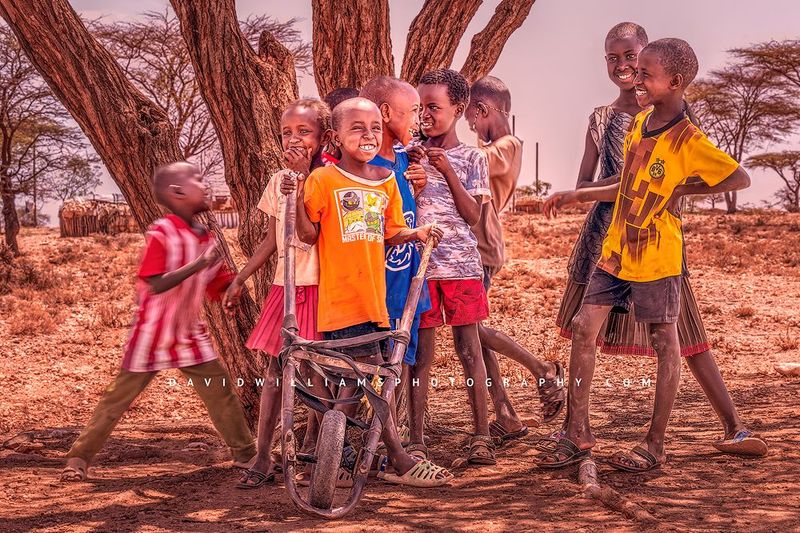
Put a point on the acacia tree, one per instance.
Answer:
(743, 108)
(36, 138)
(786, 165)
(245, 90)
(782, 58)
(154, 56)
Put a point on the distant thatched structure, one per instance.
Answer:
(79, 218)
(528, 204)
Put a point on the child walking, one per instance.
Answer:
(487, 115)
(623, 334)
(181, 263)
(349, 209)
(457, 187)
(641, 257)
(304, 125)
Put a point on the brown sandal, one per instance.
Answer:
(481, 451)
(418, 450)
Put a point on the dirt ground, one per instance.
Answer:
(64, 321)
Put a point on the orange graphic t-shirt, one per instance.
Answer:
(354, 215)
(645, 240)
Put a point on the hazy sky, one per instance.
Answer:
(554, 63)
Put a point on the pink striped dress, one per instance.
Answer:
(167, 330)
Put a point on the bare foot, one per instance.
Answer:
(75, 471)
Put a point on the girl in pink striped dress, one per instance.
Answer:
(303, 127)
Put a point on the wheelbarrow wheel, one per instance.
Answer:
(330, 444)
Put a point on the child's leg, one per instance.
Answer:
(468, 347)
(115, 401)
(664, 339)
(503, 410)
(418, 393)
(501, 343)
(269, 410)
(223, 407)
(706, 372)
(585, 327)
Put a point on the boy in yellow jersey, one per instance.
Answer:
(641, 258)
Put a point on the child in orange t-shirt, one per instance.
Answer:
(349, 209)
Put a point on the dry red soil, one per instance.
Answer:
(65, 319)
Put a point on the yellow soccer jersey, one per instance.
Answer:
(645, 241)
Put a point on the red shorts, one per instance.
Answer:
(461, 301)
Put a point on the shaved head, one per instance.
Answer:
(171, 174)
(353, 104)
(492, 90)
(382, 89)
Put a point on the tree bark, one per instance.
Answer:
(132, 136)
(486, 46)
(351, 43)
(10, 218)
(730, 202)
(245, 95)
(434, 35)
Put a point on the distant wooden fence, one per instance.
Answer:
(227, 218)
(80, 218)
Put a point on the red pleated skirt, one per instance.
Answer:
(266, 335)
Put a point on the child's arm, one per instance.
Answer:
(557, 200)
(164, 282)
(589, 163)
(262, 254)
(422, 234)
(468, 206)
(738, 180)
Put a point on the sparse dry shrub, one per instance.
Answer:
(113, 315)
(744, 311)
(32, 319)
(788, 342)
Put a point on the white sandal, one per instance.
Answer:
(424, 474)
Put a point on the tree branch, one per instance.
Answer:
(486, 46)
(434, 35)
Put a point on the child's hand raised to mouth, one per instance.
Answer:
(298, 159)
(416, 153)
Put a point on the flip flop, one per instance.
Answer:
(549, 443)
(500, 435)
(566, 453)
(481, 451)
(645, 462)
(260, 479)
(744, 442)
(552, 395)
(424, 474)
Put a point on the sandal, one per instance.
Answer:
(424, 474)
(552, 395)
(500, 435)
(260, 479)
(481, 451)
(549, 443)
(419, 451)
(566, 453)
(638, 460)
(73, 474)
(744, 442)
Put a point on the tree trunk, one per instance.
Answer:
(10, 218)
(730, 201)
(486, 46)
(245, 94)
(351, 44)
(130, 133)
(434, 35)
